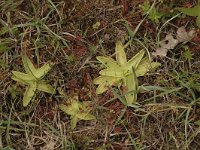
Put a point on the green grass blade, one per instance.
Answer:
(194, 11)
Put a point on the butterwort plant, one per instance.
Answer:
(77, 110)
(123, 72)
(32, 79)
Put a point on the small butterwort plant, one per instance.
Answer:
(32, 79)
(77, 110)
(122, 72)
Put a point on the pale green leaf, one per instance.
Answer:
(42, 71)
(102, 88)
(29, 93)
(113, 72)
(145, 66)
(107, 79)
(30, 69)
(46, 88)
(20, 81)
(105, 82)
(134, 61)
(63, 108)
(107, 61)
(130, 82)
(120, 53)
(73, 122)
(22, 76)
(85, 116)
(71, 109)
(28, 66)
